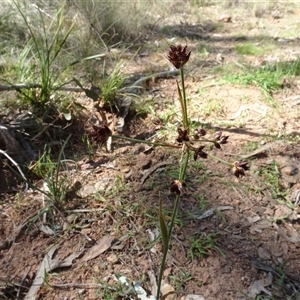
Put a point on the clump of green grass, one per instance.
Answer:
(39, 61)
(248, 49)
(203, 245)
(57, 184)
(269, 78)
(270, 176)
(111, 84)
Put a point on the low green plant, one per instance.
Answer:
(39, 61)
(180, 280)
(203, 202)
(248, 49)
(203, 245)
(269, 78)
(56, 183)
(191, 144)
(111, 85)
(270, 176)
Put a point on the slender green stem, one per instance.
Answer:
(220, 159)
(145, 142)
(182, 172)
(185, 115)
(183, 167)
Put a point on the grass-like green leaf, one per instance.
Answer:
(163, 228)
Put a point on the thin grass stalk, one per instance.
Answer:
(145, 142)
(185, 115)
(182, 172)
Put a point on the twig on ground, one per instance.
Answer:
(153, 169)
(7, 243)
(17, 166)
(21, 285)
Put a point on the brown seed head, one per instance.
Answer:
(100, 134)
(182, 135)
(177, 186)
(200, 153)
(178, 56)
(239, 168)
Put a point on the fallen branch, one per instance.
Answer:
(37, 86)
(17, 166)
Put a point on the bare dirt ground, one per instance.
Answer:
(252, 234)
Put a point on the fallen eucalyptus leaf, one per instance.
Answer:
(256, 288)
(193, 297)
(48, 264)
(211, 211)
(46, 229)
(101, 246)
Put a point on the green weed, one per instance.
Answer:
(56, 183)
(203, 202)
(111, 84)
(268, 78)
(248, 49)
(180, 280)
(270, 176)
(203, 245)
(38, 61)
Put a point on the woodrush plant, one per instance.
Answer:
(190, 145)
(56, 184)
(38, 61)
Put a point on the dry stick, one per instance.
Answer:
(19, 169)
(37, 86)
(130, 89)
(21, 285)
(153, 169)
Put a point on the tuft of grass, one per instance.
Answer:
(111, 84)
(269, 78)
(203, 202)
(56, 183)
(39, 62)
(270, 176)
(248, 49)
(213, 107)
(203, 245)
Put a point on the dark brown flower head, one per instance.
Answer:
(178, 56)
(182, 135)
(217, 145)
(239, 168)
(100, 134)
(177, 186)
(199, 132)
(220, 139)
(200, 153)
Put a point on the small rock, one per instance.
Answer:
(236, 202)
(86, 190)
(290, 170)
(220, 58)
(263, 254)
(139, 149)
(165, 289)
(276, 15)
(126, 170)
(167, 272)
(103, 184)
(112, 258)
(225, 18)
(230, 247)
(283, 211)
(193, 297)
(96, 269)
